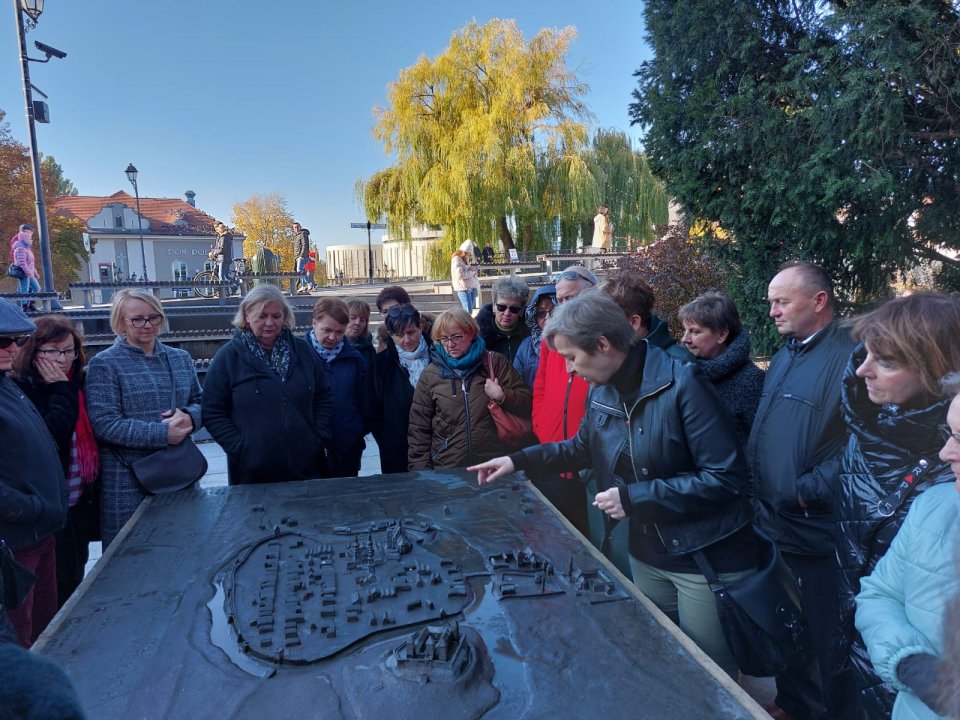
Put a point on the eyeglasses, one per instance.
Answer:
(541, 314)
(20, 341)
(514, 309)
(141, 322)
(59, 354)
(572, 275)
(399, 311)
(450, 340)
(947, 434)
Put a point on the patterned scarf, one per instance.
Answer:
(326, 354)
(84, 456)
(415, 361)
(276, 358)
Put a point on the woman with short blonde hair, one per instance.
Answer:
(265, 397)
(141, 397)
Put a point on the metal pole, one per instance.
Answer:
(369, 256)
(143, 252)
(46, 259)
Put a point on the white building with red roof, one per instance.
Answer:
(176, 236)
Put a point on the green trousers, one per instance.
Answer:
(688, 600)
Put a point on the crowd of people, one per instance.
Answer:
(845, 451)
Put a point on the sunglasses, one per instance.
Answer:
(20, 341)
(514, 309)
(399, 311)
(572, 275)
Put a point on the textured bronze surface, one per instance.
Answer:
(407, 596)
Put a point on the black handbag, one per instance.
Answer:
(15, 580)
(761, 614)
(174, 468)
(15, 271)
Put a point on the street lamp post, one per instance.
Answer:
(33, 8)
(132, 177)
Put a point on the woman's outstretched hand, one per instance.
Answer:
(492, 469)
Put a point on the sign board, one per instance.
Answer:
(512, 253)
(371, 226)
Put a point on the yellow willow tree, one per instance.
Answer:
(487, 138)
(265, 219)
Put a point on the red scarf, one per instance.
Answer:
(88, 457)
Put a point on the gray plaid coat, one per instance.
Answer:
(126, 391)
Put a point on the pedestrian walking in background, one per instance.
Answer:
(463, 277)
(301, 255)
(21, 255)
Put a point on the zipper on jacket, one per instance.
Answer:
(566, 400)
(466, 409)
(629, 413)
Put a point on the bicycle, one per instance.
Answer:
(203, 280)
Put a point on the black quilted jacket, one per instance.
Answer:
(885, 443)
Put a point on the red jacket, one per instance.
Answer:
(559, 398)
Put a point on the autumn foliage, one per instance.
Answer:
(678, 268)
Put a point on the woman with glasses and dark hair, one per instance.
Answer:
(141, 397)
(390, 383)
(50, 370)
(501, 321)
(450, 425)
(891, 405)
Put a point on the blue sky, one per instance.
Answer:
(234, 97)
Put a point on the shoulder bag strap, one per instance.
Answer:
(707, 570)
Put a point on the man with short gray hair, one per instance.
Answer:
(500, 321)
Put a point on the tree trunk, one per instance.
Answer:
(506, 239)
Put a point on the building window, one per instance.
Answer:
(179, 268)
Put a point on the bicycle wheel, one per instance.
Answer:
(202, 286)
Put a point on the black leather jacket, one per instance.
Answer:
(689, 475)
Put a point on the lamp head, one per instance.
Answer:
(131, 172)
(33, 8)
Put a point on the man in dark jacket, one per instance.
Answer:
(33, 492)
(501, 326)
(222, 254)
(301, 255)
(793, 451)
